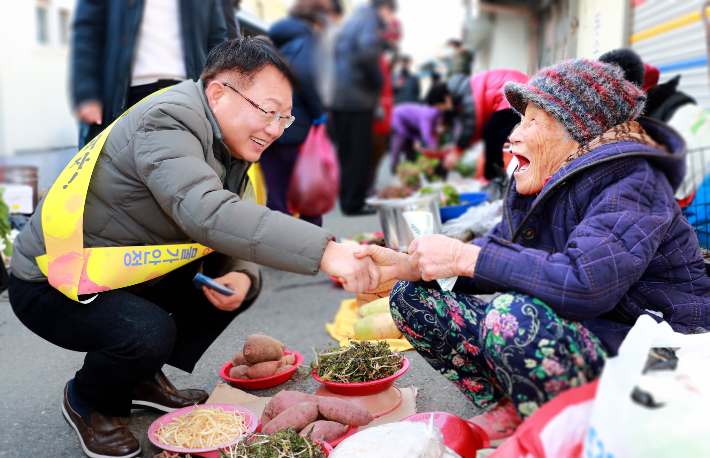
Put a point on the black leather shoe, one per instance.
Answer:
(162, 396)
(365, 210)
(101, 436)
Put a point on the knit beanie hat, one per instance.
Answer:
(588, 97)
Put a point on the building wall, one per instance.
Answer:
(35, 113)
(268, 10)
(603, 26)
(507, 44)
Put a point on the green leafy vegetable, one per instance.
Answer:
(449, 195)
(357, 362)
(5, 228)
(283, 444)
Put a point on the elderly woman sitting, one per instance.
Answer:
(591, 239)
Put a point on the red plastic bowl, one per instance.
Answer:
(462, 436)
(211, 452)
(262, 383)
(364, 388)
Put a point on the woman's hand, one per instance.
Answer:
(236, 281)
(356, 275)
(438, 256)
(392, 264)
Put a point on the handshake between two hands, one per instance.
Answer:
(363, 267)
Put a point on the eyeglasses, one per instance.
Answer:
(269, 117)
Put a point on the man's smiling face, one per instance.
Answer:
(245, 133)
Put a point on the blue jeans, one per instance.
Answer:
(514, 346)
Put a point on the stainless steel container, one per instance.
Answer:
(398, 235)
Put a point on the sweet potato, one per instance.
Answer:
(296, 417)
(259, 348)
(324, 430)
(335, 409)
(239, 372)
(265, 419)
(261, 370)
(285, 399)
(238, 360)
(283, 368)
(288, 360)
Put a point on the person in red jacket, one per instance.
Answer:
(483, 114)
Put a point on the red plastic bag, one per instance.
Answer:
(556, 430)
(315, 182)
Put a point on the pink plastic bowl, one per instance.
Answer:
(462, 436)
(262, 383)
(211, 452)
(364, 388)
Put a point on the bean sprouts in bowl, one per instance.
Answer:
(202, 428)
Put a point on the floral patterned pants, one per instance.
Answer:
(514, 346)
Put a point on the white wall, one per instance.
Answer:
(603, 26)
(35, 112)
(508, 45)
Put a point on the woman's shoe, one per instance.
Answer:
(500, 422)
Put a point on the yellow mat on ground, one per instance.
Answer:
(344, 326)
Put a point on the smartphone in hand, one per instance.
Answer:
(203, 280)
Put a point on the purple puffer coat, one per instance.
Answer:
(604, 242)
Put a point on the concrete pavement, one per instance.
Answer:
(292, 308)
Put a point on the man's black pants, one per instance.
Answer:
(355, 143)
(127, 337)
(495, 133)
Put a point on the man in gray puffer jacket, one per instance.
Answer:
(174, 171)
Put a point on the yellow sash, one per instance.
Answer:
(73, 269)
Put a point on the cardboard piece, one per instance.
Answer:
(227, 394)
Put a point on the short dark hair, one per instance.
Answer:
(437, 94)
(245, 57)
(630, 63)
(454, 41)
(387, 3)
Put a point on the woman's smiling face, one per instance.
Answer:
(541, 144)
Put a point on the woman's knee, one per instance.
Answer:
(405, 302)
(504, 318)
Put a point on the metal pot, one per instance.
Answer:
(398, 235)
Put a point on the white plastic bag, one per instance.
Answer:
(404, 439)
(479, 220)
(622, 428)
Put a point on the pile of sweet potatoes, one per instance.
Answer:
(319, 417)
(262, 356)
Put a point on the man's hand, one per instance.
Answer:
(438, 256)
(392, 264)
(90, 112)
(236, 281)
(356, 275)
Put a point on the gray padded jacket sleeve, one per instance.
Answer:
(170, 162)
